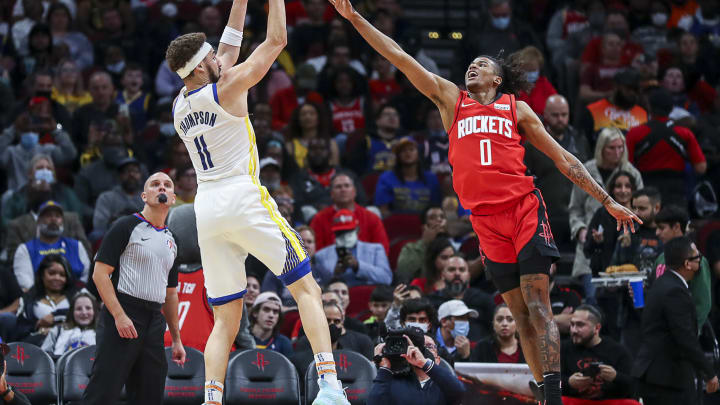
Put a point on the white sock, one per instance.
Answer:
(213, 392)
(325, 366)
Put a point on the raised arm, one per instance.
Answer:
(229, 48)
(442, 92)
(238, 79)
(570, 166)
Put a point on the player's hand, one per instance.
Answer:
(624, 216)
(343, 7)
(607, 373)
(178, 353)
(712, 385)
(580, 382)
(462, 344)
(125, 327)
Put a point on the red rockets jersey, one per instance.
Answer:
(194, 313)
(486, 154)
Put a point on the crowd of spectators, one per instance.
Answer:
(356, 159)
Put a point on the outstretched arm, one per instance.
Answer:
(226, 53)
(240, 78)
(442, 92)
(570, 166)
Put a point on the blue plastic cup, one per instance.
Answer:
(637, 288)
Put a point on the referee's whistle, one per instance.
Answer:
(162, 198)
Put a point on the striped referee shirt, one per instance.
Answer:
(143, 256)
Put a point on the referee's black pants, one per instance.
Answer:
(139, 363)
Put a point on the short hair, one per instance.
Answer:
(382, 293)
(676, 251)
(424, 214)
(595, 313)
(182, 49)
(382, 108)
(671, 215)
(335, 305)
(38, 157)
(131, 66)
(415, 305)
(337, 280)
(651, 193)
(305, 228)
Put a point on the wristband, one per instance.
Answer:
(231, 36)
(428, 365)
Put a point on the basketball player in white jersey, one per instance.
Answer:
(235, 214)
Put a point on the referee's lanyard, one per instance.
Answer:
(265, 346)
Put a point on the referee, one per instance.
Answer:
(136, 276)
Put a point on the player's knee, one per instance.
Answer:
(538, 312)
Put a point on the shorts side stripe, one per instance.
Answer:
(287, 232)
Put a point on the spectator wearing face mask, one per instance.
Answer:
(50, 240)
(454, 317)
(531, 60)
(340, 336)
(42, 186)
(21, 141)
(456, 275)
(354, 261)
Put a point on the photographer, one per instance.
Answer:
(594, 367)
(414, 376)
(356, 262)
(8, 395)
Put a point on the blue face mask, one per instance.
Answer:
(532, 76)
(500, 22)
(462, 328)
(29, 140)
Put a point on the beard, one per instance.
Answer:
(214, 77)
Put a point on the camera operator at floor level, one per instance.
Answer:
(428, 382)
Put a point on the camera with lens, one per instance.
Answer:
(396, 345)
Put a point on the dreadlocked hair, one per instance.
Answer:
(513, 77)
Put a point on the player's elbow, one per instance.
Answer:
(278, 39)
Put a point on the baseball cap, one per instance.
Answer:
(455, 308)
(268, 161)
(49, 204)
(402, 142)
(265, 297)
(343, 220)
(127, 161)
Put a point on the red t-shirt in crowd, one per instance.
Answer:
(509, 358)
(285, 101)
(538, 95)
(593, 52)
(600, 77)
(372, 229)
(382, 90)
(486, 154)
(662, 156)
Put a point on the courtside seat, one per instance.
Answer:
(32, 371)
(76, 375)
(185, 384)
(261, 377)
(354, 370)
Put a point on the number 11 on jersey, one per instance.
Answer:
(485, 152)
(203, 152)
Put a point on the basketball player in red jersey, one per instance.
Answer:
(487, 126)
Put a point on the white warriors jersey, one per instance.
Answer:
(221, 145)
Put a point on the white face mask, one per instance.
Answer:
(347, 239)
(659, 19)
(419, 325)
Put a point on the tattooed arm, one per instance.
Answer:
(569, 165)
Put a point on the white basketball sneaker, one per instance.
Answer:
(330, 395)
